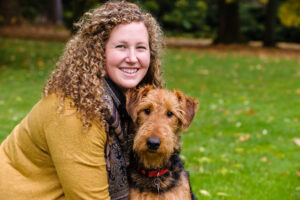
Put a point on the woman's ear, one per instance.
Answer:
(133, 98)
(189, 107)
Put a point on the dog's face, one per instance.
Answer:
(159, 116)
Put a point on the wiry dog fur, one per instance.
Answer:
(159, 116)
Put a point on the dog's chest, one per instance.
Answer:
(180, 192)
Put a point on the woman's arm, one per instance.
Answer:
(78, 156)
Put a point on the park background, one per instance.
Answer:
(239, 58)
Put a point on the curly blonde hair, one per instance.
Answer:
(80, 70)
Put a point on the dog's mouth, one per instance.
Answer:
(152, 151)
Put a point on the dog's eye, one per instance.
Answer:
(147, 111)
(169, 114)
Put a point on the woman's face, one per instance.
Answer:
(128, 54)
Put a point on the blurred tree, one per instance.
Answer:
(270, 23)
(187, 16)
(252, 14)
(74, 9)
(226, 21)
(10, 12)
(57, 12)
(289, 13)
(229, 22)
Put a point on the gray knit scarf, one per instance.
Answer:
(119, 141)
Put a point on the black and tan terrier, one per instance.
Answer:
(159, 116)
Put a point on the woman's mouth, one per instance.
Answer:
(129, 71)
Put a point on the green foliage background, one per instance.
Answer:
(190, 18)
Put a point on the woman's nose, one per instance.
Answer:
(131, 57)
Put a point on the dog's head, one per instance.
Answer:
(159, 116)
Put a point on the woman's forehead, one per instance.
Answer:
(133, 30)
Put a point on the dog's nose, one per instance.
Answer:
(153, 143)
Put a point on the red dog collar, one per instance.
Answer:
(155, 173)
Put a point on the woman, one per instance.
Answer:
(58, 151)
(75, 142)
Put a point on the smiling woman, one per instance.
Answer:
(127, 57)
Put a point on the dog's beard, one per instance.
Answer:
(151, 160)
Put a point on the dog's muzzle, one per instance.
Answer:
(153, 143)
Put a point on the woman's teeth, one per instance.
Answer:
(130, 71)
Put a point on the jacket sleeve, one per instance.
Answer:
(78, 156)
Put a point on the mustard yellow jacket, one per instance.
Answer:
(48, 156)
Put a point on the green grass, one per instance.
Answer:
(240, 145)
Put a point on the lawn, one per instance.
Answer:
(242, 143)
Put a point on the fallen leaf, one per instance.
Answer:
(222, 194)
(239, 150)
(251, 111)
(283, 174)
(270, 118)
(213, 106)
(226, 112)
(279, 155)
(182, 157)
(205, 193)
(201, 149)
(270, 163)
(18, 98)
(3, 67)
(223, 171)
(238, 112)
(258, 67)
(265, 132)
(297, 141)
(204, 160)
(246, 102)
(238, 124)
(12, 58)
(264, 159)
(15, 118)
(20, 49)
(203, 72)
(237, 165)
(40, 63)
(202, 170)
(244, 138)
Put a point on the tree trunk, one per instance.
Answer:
(55, 13)
(270, 23)
(229, 22)
(58, 12)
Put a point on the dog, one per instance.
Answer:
(156, 170)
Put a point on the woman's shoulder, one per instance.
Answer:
(55, 100)
(51, 108)
(61, 109)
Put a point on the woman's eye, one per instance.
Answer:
(120, 46)
(169, 114)
(141, 47)
(147, 111)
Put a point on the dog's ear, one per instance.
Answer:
(133, 97)
(189, 107)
